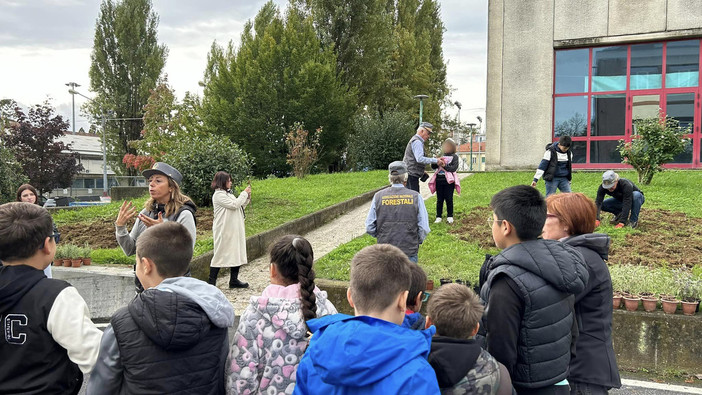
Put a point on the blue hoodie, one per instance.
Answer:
(365, 355)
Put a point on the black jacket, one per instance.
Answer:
(624, 193)
(169, 337)
(594, 361)
(32, 361)
(545, 275)
(553, 164)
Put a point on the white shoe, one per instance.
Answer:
(449, 220)
(438, 220)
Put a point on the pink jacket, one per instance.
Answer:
(451, 178)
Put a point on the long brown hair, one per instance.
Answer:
(25, 187)
(176, 200)
(575, 210)
(293, 257)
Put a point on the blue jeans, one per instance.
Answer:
(414, 258)
(561, 183)
(614, 206)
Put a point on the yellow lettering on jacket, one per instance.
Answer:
(397, 200)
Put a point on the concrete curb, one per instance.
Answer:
(257, 245)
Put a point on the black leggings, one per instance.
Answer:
(444, 193)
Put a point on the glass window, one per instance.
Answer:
(646, 66)
(89, 182)
(570, 116)
(644, 106)
(571, 70)
(77, 183)
(685, 156)
(579, 151)
(682, 63)
(604, 152)
(99, 183)
(681, 106)
(608, 117)
(609, 69)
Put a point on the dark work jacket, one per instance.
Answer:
(168, 345)
(32, 361)
(547, 274)
(553, 164)
(624, 193)
(414, 168)
(594, 361)
(396, 212)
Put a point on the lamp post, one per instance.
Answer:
(421, 105)
(73, 86)
(471, 126)
(104, 139)
(459, 105)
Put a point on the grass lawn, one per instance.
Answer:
(457, 252)
(275, 202)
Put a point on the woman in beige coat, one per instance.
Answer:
(228, 230)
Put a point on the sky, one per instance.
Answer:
(45, 44)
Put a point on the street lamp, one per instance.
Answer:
(421, 105)
(104, 139)
(73, 86)
(471, 126)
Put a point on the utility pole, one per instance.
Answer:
(471, 126)
(72, 87)
(421, 105)
(459, 105)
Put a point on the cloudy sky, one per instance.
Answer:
(47, 43)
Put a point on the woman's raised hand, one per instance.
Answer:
(126, 212)
(149, 222)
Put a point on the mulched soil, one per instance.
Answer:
(101, 232)
(664, 237)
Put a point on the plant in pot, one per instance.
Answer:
(631, 286)
(618, 282)
(690, 296)
(85, 254)
(73, 252)
(58, 256)
(648, 298)
(64, 250)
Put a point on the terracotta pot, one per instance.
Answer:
(430, 283)
(631, 303)
(689, 308)
(67, 263)
(616, 302)
(669, 306)
(76, 262)
(87, 261)
(649, 304)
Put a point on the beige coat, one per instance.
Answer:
(228, 229)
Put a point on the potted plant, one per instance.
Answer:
(647, 288)
(669, 303)
(67, 252)
(58, 257)
(85, 253)
(631, 285)
(73, 253)
(616, 300)
(690, 296)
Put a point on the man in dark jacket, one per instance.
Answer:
(414, 156)
(625, 202)
(172, 338)
(556, 167)
(529, 291)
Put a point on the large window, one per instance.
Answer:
(599, 93)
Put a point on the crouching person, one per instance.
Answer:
(461, 365)
(172, 338)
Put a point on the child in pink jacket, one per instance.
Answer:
(272, 334)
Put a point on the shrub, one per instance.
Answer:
(303, 149)
(656, 141)
(198, 158)
(113, 256)
(376, 141)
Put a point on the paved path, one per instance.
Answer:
(636, 387)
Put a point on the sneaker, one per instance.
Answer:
(634, 224)
(449, 220)
(438, 220)
(238, 284)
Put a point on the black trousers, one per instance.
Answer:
(444, 193)
(233, 275)
(413, 182)
(550, 390)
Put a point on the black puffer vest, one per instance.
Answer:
(550, 172)
(168, 345)
(548, 274)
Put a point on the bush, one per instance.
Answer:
(113, 256)
(198, 158)
(376, 141)
(303, 149)
(656, 141)
(11, 176)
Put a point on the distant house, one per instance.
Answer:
(89, 182)
(478, 155)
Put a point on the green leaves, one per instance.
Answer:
(377, 141)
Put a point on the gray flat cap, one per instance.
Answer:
(426, 125)
(163, 169)
(609, 178)
(397, 168)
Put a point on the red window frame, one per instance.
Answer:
(696, 134)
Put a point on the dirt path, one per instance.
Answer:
(324, 239)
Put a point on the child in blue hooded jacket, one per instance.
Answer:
(370, 353)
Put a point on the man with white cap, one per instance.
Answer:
(414, 156)
(398, 215)
(625, 202)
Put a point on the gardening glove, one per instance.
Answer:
(619, 226)
(597, 223)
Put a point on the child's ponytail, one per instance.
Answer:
(293, 258)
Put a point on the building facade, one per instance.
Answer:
(588, 69)
(476, 156)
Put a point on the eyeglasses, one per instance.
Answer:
(491, 220)
(56, 236)
(426, 296)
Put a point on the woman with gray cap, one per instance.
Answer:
(166, 203)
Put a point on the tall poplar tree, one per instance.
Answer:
(127, 61)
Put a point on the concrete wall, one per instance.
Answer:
(522, 36)
(104, 294)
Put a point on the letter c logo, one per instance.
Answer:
(13, 334)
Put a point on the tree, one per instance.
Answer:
(376, 141)
(656, 141)
(303, 149)
(11, 176)
(32, 137)
(279, 75)
(126, 63)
